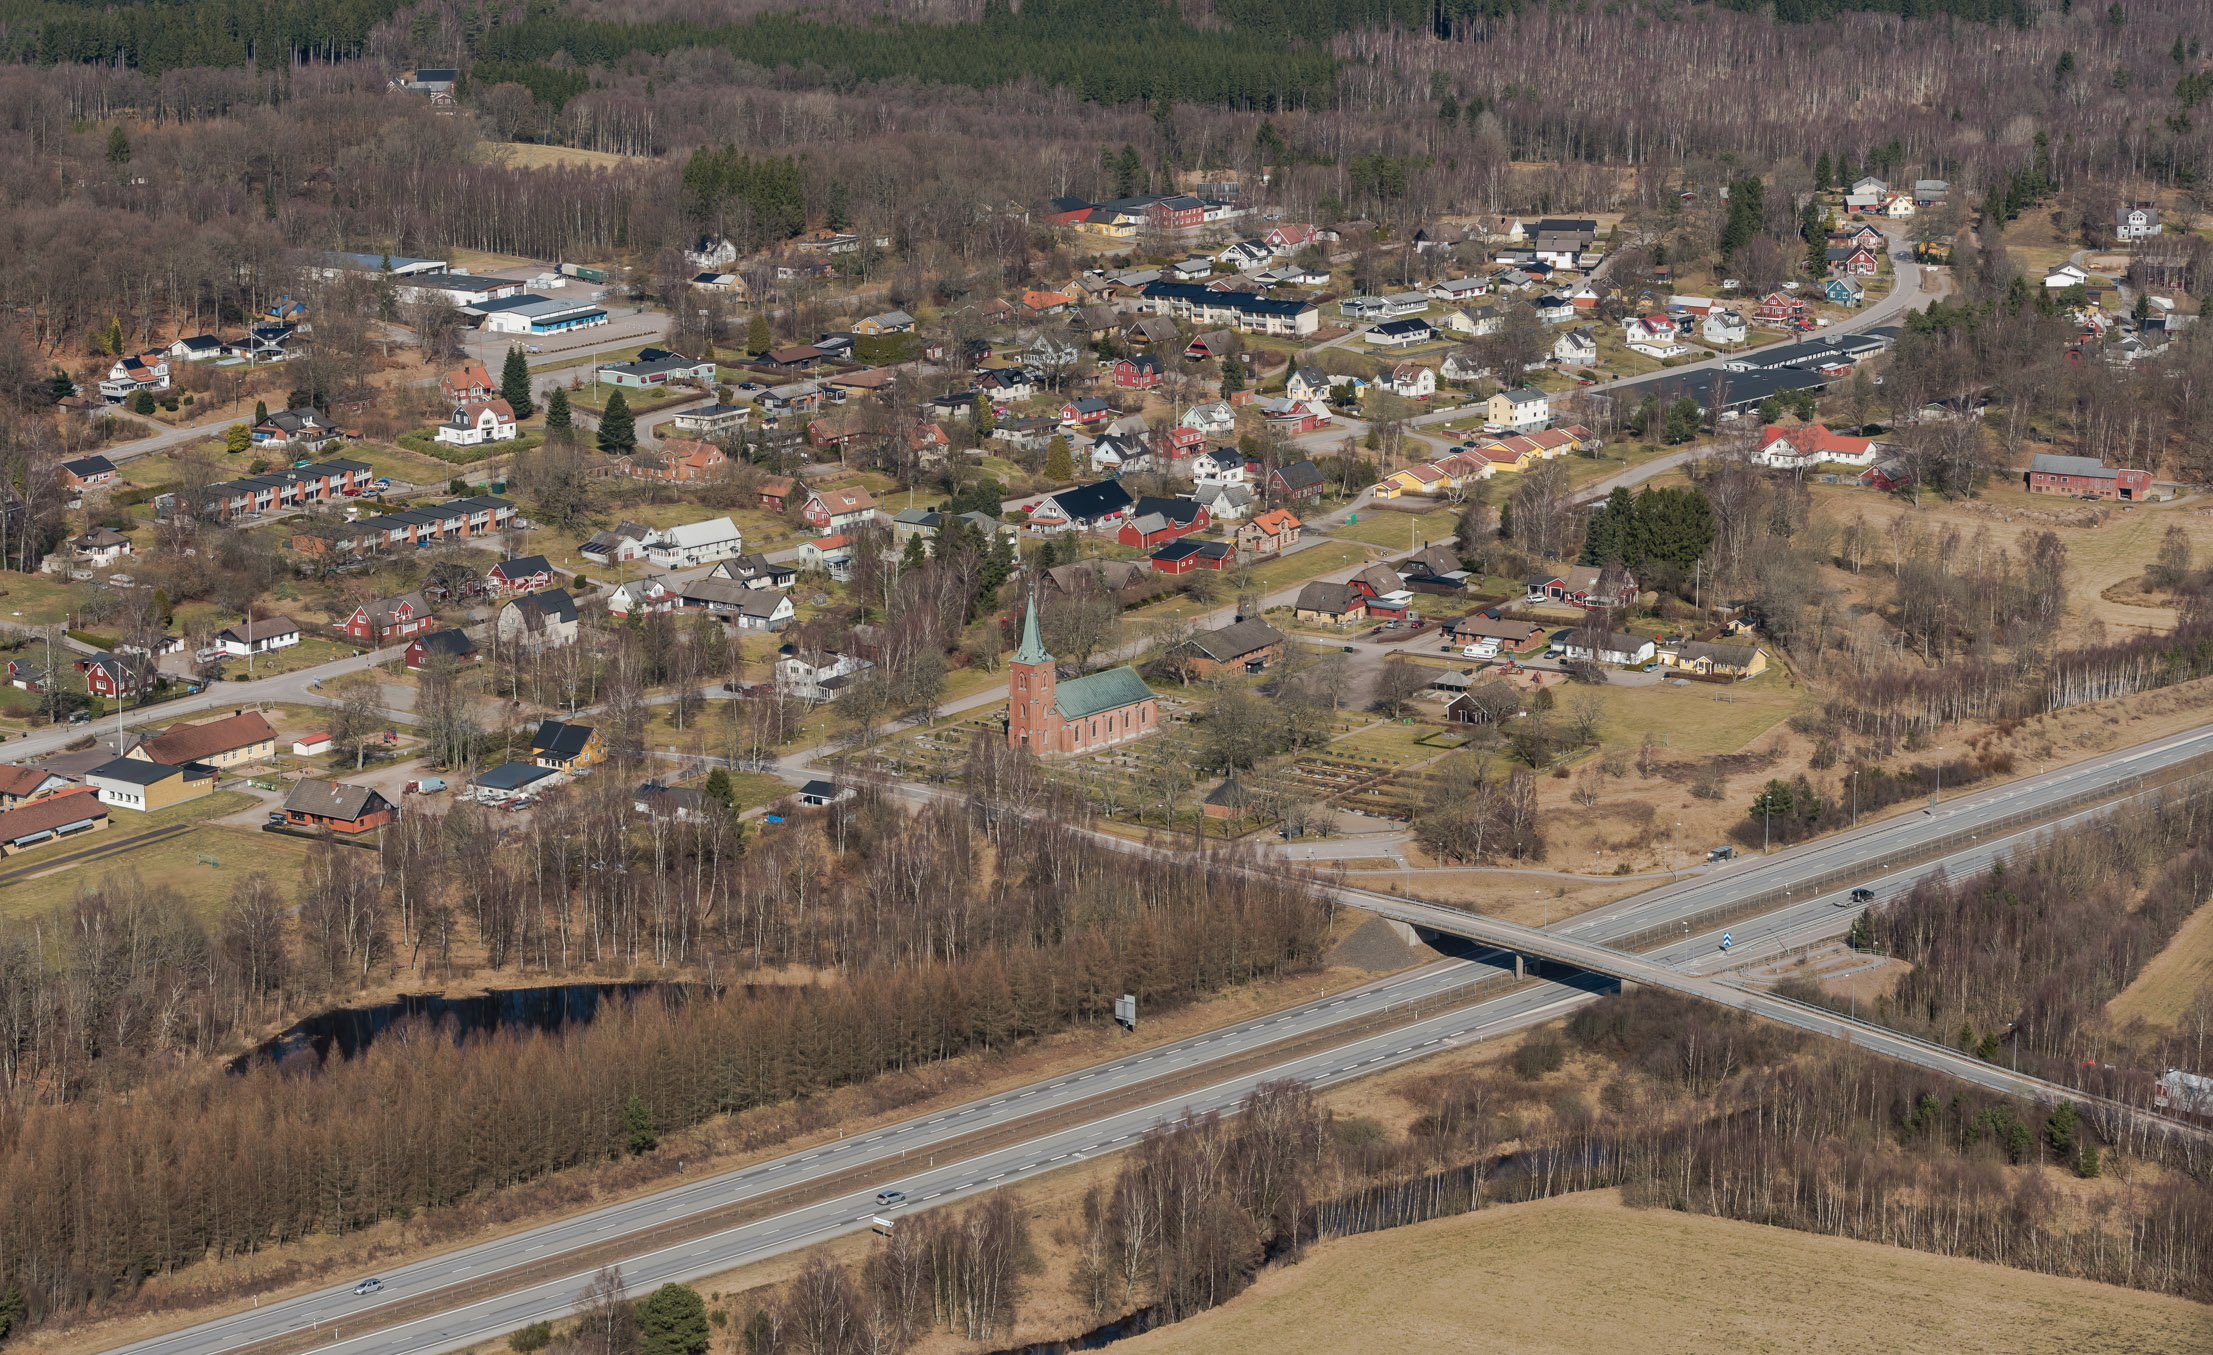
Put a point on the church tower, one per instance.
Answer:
(1032, 719)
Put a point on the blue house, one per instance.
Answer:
(1845, 291)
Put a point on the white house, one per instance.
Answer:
(2065, 276)
(650, 594)
(1116, 454)
(1214, 419)
(2135, 223)
(694, 544)
(764, 610)
(1413, 381)
(816, 680)
(1476, 321)
(1653, 335)
(1222, 466)
(1616, 647)
(258, 636)
(1576, 348)
(1223, 502)
(140, 372)
(712, 251)
(1465, 365)
(1460, 289)
(613, 545)
(482, 421)
(1399, 333)
(196, 348)
(1724, 327)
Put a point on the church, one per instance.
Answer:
(1082, 715)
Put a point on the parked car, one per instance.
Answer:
(1722, 854)
(276, 816)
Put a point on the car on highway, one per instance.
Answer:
(886, 1198)
(1862, 895)
(369, 1286)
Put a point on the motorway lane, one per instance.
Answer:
(809, 1223)
(909, 1138)
(1895, 836)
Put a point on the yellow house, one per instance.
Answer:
(135, 783)
(1697, 656)
(1415, 480)
(1502, 457)
(566, 747)
(238, 738)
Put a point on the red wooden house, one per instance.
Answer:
(1153, 521)
(1181, 557)
(390, 618)
(1780, 308)
(1138, 373)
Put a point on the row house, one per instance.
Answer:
(459, 518)
(1204, 307)
(294, 487)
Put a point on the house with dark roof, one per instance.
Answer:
(21, 785)
(1183, 556)
(1485, 703)
(523, 574)
(391, 618)
(1329, 604)
(538, 621)
(424, 650)
(1299, 482)
(1093, 507)
(1230, 800)
(130, 783)
(1719, 660)
(258, 636)
(567, 747)
(337, 807)
(2085, 477)
(1150, 521)
(88, 472)
(1251, 645)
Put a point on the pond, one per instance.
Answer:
(346, 1031)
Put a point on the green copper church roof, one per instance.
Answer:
(1110, 690)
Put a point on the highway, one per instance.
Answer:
(1047, 1124)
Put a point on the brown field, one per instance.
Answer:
(1584, 1273)
(2166, 987)
(524, 155)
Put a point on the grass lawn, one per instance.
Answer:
(310, 651)
(1388, 528)
(1704, 717)
(1585, 1272)
(2164, 989)
(1392, 743)
(38, 599)
(1618, 455)
(174, 862)
(401, 465)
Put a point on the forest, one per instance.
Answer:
(860, 942)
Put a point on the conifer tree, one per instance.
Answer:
(514, 383)
(618, 431)
(557, 410)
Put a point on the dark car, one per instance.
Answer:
(1863, 895)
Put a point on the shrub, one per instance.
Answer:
(1539, 1053)
(536, 1336)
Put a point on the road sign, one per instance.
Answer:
(1727, 940)
(1125, 1010)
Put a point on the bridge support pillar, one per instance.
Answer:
(1517, 966)
(1405, 931)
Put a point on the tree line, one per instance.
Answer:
(924, 953)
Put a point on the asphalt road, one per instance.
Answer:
(904, 1154)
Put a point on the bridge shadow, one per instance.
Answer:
(1491, 957)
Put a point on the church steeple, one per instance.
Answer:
(1032, 649)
